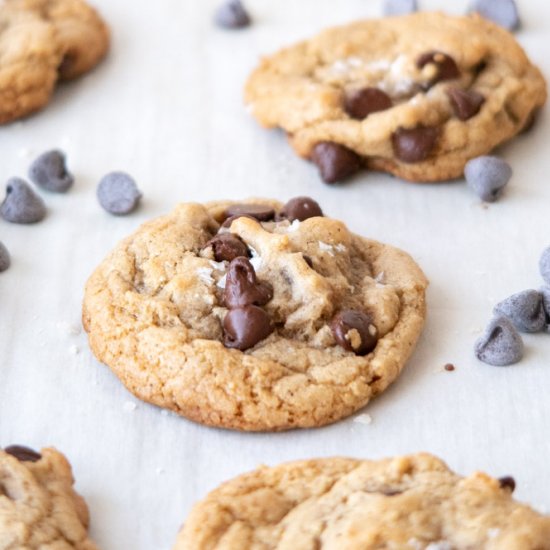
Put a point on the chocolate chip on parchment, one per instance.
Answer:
(22, 204)
(5, 258)
(335, 162)
(244, 327)
(465, 103)
(23, 454)
(445, 66)
(354, 331)
(500, 345)
(49, 171)
(227, 246)
(118, 193)
(300, 208)
(487, 176)
(242, 288)
(414, 144)
(232, 15)
(524, 309)
(359, 104)
(507, 482)
(260, 212)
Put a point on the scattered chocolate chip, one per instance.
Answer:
(507, 482)
(524, 309)
(544, 265)
(446, 67)
(242, 287)
(231, 219)
(22, 204)
(5, 258)
(500, 345)
(232, 15)
(300, 208)
(465, 103)
(487, 176)
(23, 454)
(400, 7)
(354, 331)
(361, 103)
(227, 246)
(245, 326)
(502, 12)
(259, 212)
(449, 367)
(414, 144)
(308, 260)
(118, 193)
(50, 172)
(335, 162)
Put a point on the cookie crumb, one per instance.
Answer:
(363, 419)
(449, 367)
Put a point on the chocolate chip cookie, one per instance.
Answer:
(42, 41)
(413, 502)
(406, 95)
(39, 508)
(256, 315)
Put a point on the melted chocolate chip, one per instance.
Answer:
(507, 482)
(242, 287)
(361, 103)
(231, 219)
(227, 246)
(23, 454)
(244, 327)
(354, 331)
(259, 211)
(465, 103)
(335, 162)
(446, 68)
(414, 144)
(300, 208)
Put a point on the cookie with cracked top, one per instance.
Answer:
(405, 95)
(280, 319)
(412, 502)
(38, 506)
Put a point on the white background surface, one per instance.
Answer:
(166, 106)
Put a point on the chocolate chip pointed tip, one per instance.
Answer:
(465, 103)
(508, 483)
(242, 287)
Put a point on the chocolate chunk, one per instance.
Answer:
(465, 103)
(507, 482)
(227, 246)
(49, 171)
(23, 454)
(258, 211)
(335, 162)
(414, 144)
(244, 327)
(300, 208)
(242, 287)
(500, 345)
(231, 219)
(232, 15)
(361, 103)
(354, 331)
(446, 68)
(22, 204)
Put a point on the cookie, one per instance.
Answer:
(413, 502)
(42, 41)
(405, 95)
(39, 508)
(242, 316)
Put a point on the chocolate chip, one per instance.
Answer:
(118, 193)
(449, 367)
(500, 345)
(23, 454)
(232, 15)
(507, 482)
(227, 246)
(231, 219)
(445, 66)
(361, 103)
(308, 260)
(244, 327)
(524, 309)
(50, 172)
(5, 258)
(487, 176)
(300, 208)
(335, 162)
(414, 144)
(465, 103)
(242, 287)
(22, 204)
(354, 331)
(258, 211)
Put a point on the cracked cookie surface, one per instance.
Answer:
(38, 506)
(471, 95)
(160, 307)
(406, 503)
(42, 41)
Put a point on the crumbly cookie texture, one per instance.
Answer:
(406, 503)
(456, 98)
(39, 508)
(42, 41)
(161, 306)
